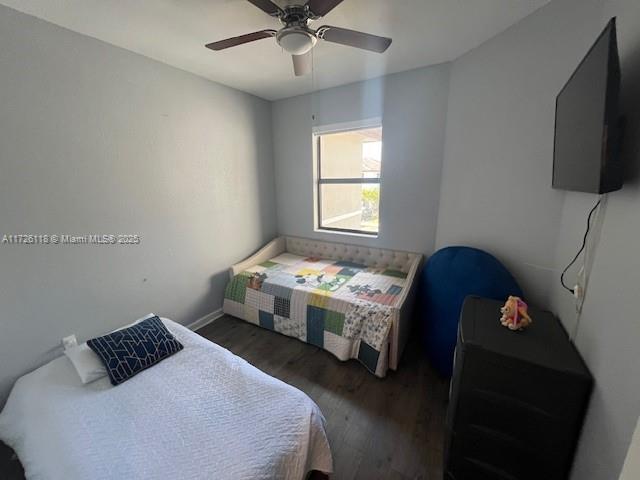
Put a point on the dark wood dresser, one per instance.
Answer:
(517, 399)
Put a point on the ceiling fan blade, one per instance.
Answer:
(321, 7)
(353, 38)
(267, 6)
(234, 41)
(302, 64)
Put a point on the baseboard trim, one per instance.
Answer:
(206, 320)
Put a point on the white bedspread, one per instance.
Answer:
(203, 413)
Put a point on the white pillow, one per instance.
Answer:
(87, 363)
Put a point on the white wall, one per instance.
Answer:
(609, 330)
(496, 185)
(496, 194)
(95, 139)
(413, 108)
(631, 468)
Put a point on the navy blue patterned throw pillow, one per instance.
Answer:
(127, 352)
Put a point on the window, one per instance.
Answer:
(348, 180)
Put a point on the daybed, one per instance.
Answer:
(353, 301)
(202, 413)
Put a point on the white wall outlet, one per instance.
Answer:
(70, 341)
(577, 292)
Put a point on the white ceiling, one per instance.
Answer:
(424, 32)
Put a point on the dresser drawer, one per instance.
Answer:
(513, 418)
(557, 394)
(481, 453)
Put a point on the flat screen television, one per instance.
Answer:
(588, 129)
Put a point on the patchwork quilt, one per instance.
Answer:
(343, 307)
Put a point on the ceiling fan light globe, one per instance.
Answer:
(296, 42)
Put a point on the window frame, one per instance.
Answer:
(319, 181)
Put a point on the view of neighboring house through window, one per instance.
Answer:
(348, 179)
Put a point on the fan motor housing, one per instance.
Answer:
(295, 14)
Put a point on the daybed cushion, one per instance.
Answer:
(204, 413)
(343, 307)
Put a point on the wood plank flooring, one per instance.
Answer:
(391, 428)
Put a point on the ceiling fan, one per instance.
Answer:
(297, 38)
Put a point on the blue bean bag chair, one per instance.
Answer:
(448, 277)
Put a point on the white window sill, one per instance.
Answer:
(346, 234)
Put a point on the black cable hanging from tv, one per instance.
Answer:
(584, 244)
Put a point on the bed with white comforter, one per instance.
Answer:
(202, 413)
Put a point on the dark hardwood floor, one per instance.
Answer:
(391, 428)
